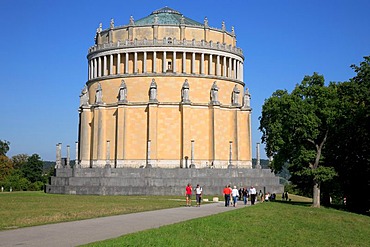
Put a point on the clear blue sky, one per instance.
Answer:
(43, 48)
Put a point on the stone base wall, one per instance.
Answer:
(153, 181)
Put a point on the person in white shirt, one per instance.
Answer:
(235, 195)
(198, 194)
(253, 193)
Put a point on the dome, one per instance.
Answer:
(167, 16)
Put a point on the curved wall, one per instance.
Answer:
(134, 112)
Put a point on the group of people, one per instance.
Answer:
(198, 194)
(232, 195)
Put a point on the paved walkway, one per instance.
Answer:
(87, 231)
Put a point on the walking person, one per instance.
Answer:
(253, 193)
(226, 193)
(188, 192)
(245, 195)
(235, 195)
(286, 196)
(198, 194)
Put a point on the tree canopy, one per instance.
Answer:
(322, 132)
(295, 128)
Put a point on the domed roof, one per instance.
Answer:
(167, 15)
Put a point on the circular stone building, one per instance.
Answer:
(165, 91)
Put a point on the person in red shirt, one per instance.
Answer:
(188, 192)
(226, 193)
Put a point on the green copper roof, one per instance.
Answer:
(166, 15)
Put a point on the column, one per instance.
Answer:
(241, 71)
(126, 63)
(95, 68)
(210, 72)
(118, 63)
(144, 62)
(135, 63)
(154, 62)
(174, 62)
(58, 160)
(202, 64)
(234, 67)
(164, 62)
(111, 64)
(193, 63)
(224, 68)
(229, 70)
(104, 65)
(90, 73)
(258, 165)
(68, 157)
(76, 158)
(99, 66)
(218, 66)
(184, 62)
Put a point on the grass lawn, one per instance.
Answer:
(265, 224)
(278, 223)
(21, 209)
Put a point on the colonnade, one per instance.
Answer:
(203, 62)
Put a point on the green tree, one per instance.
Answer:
(32, 170)
(349, 143)
(4, 147)
(295, 129)
(6, 167)
(19, 160)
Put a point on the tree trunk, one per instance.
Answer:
(316, 195)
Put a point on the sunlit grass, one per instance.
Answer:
(20, 209)
(265, 224)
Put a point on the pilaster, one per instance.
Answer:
(152, 130)
(186, 133)
(121, 133)
(85, 141)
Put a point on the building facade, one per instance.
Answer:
(165, 91)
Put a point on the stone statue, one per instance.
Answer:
(155, 19)
(206, 22)
(132, 22)
(182, 20)
(100, 28)
(84, 97)
(214, 94)
(246, 99)
(235, 96)
(112, 23)
(185, 92)
(223, 27)
(153, 91)
(99, 94)
(232, 30)
(122, 97)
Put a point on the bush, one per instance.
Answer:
(36, 186)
